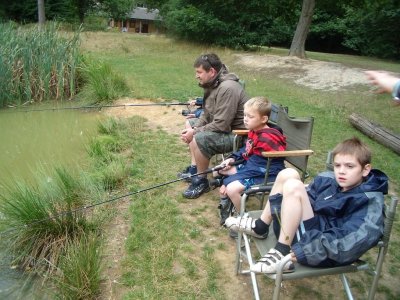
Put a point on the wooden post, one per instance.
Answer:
(376, 132)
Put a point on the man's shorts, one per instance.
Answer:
(211, 143)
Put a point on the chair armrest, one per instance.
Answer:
(272, 154)
(241, 131)
(262, 188)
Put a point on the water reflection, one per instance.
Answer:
(47, 138)
(30, 141)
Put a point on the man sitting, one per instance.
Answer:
(211, 134)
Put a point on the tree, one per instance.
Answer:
(117, 9)
(297, 47)
(41, 14)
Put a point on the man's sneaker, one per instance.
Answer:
(224, 207)
(244, 224)
(187, 173)
(198, 186)
(268, 264)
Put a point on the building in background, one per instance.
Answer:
(140, 20)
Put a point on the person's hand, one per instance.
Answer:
(227, 163)
(192, 102)
(190, 116)
(222, 190)
(187, 135)
(383, 80)
(293, 257)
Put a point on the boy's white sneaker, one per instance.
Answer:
(268, 264)
(244, 224)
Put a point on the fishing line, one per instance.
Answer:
(86, 207)
(98, 107)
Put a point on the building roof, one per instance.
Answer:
(143, 13)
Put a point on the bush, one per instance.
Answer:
(102, 84)
(39, 221)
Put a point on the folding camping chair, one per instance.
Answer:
(301, 271)
(298, 132)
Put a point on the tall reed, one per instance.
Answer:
(37, 64)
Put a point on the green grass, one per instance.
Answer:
(169, 255)
(160, 68)
(80, 269)
(102, 84)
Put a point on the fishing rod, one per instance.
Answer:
(101, 106)
(85, 207)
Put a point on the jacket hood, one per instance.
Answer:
(376, 181)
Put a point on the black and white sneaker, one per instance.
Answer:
(198, 186)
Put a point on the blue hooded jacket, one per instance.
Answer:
(350, 222)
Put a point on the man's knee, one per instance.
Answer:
(198, 149)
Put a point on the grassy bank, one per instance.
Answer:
(169, 252)
(174, 247)
(159, 68)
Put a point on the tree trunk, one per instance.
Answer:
(376, 132)
(41, 13)
(299, 40)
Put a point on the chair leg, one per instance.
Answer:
(377, 274)
(346, 286)
(252, 274)
(239, 259)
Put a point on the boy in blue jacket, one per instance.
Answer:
(332, 222)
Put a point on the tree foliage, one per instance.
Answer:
(366, 27)
(26, 11)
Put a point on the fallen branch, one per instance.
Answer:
(376, 132)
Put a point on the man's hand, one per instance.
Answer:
(187, 135)
(383, 80)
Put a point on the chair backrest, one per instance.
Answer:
(275, 108)
(298, 132)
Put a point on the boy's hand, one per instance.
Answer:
(222, 190)
(293, 258)
(227, 163)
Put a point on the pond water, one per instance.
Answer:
(30, 141)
